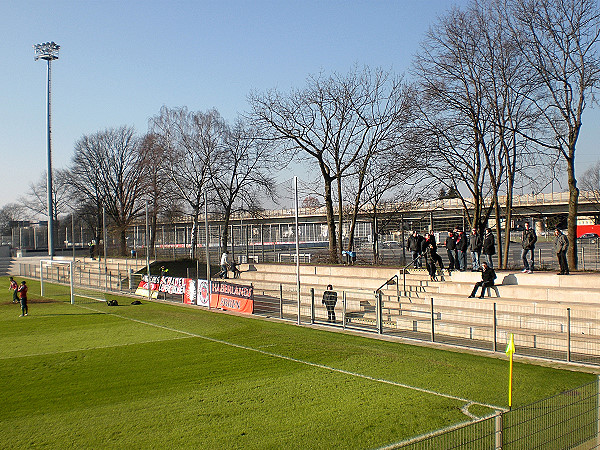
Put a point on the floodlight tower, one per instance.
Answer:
(49, 52)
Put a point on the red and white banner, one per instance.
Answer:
(232, 297)
(203, 294)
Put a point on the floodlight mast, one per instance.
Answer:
(48, 51)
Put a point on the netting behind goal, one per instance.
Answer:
(59, 282)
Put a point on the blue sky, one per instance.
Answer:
(120, 61)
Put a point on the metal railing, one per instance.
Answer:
(567, 420)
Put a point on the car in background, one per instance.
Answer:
(391, 244)
(588, 237)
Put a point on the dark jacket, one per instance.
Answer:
(414, 243)
(488, 276)
(561, 243)
(451, 242)
(475, 243)
(329, 298)
(529, 239)
(489, 244)
(462, 242)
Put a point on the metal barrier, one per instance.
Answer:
(567, 420)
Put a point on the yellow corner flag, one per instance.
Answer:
(510, 351)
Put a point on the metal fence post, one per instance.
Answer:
(312, 306)
(495, 345)
(569, 334)
(378, 301)
(344, 309)
(432, 322)
(281, 301)
(498, 444)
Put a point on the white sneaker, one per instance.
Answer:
(524, 271)
(529, 271)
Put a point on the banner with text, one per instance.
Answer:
(232, 297)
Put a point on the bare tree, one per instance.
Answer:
(118, 184)
(9, 213)
(240, 172)
(590, 184)
(190, 140)
(559, 40)
(333, 122)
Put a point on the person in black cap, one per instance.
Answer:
(329, 300)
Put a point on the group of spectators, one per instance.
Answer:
(458, 245)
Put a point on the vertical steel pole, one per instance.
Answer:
(105, 253)
(49, 175)
(432, 322)
(281, 301)
(312, 306)
(495, 325)
(206, 230)
(569, 334)
(297, 245)
(148, 254)
(73, 236)
(344, 303)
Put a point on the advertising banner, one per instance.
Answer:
(189, 298)
(172, 285)
(142, 288)
(203, 295)
(232, 297)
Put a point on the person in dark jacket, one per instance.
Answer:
(462, 245)
(429, 250)
(330, 300)
(475, 248)
(451, 250)
(488, 247)
(23, 298)
(487, 280)
(561, 245)
(414, 245)
(528, 241)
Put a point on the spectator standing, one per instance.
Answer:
(451, 250)
(14, 287)
(330, 300)
(23, 298)
(487, 280)
(561, 245)
(488, 247)
(224, 264)
(462, 245)
(475, 248)
(414, 245)
(528, 241)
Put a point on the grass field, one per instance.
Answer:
(167, 376)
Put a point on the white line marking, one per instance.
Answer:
(308, 363)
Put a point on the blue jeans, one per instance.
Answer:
(528, 265)
(462, 260)
(489, 260)
(475, 259)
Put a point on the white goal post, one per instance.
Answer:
(54, 262)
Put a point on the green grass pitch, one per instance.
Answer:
(167, 376)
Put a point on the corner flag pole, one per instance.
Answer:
(510, 351)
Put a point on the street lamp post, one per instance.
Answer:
(49, 51)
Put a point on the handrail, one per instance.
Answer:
(388, 282)
(404, 272)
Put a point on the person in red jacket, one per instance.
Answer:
(23, 296)
(14, 287)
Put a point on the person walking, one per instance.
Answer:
(330, 300)
(488, 247)
(23, 298)
(14, 287)
(431, 256)
(224, 264)
(561, 245)
(475, 248)
(462, 245)
(451, 250)
(487, 280)
(528, 241)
